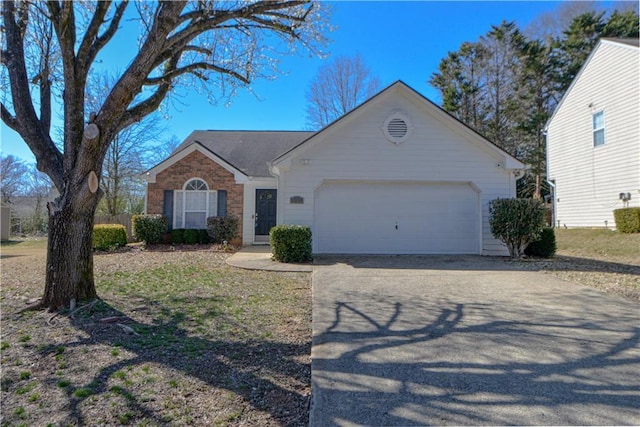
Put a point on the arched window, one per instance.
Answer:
(194, 204)
(196, 184)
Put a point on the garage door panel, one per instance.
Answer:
(370, 217)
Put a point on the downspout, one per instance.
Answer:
(553, 192)
(551, 182)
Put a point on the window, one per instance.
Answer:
(194, 204)
(598, 128)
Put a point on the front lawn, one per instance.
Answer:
(178, 338)
(599, 244)
(601, 258)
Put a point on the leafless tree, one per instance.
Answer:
(217, 46)
(338, 87)
(128, 155)
(13, 177)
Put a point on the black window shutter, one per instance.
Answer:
(167, 206)
(222, 202)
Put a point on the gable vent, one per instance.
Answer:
(396, 128)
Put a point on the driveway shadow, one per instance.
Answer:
(446, 354)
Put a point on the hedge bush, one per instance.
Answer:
(203, 237)
(545, 246)
(516, 222)
(627, 220)
(291, 243)
(149, 228)
(177, 236)
(107, 236)
(190, 236)
(222, 228)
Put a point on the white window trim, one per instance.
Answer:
(180, 201)
(602, 128)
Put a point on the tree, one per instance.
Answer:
(459, 78)
(338, 87)
(206, 43)
(506, 86)
(127, 155)
(548, 26)
(38, 188)
(13, 173)
(583, 34)
(477, 84)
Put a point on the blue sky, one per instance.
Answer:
(397, 40)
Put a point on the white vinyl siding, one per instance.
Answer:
(590, 179)
(436, 151)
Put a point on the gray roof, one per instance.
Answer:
(630, 41)
(247, 151)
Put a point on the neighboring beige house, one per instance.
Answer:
(397, 175)
(5, 222)
(593, 138)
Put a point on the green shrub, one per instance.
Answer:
(516, 222)
(203, 237)
(177, 236)
(222, 228)
(545, 246)
(191, 236)
(149, 228)
(291, 243)
(107, 236)
(627, 220)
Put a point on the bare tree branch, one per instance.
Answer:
(104, 38)
(9, 119)
(91, 32)
(192, 68)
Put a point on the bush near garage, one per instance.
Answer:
(222, 228)
(545, 246)
(291, 243)
(109, 236)
(149, 228)
(627, 220)
(516, 222)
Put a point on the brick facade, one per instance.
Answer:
(196, 165)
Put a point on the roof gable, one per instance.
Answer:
(244, 153)
(182, 152)
(633, 45)
(399, 86)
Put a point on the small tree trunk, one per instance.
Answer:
(69, 273)
(537, 194)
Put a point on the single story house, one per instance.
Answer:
(593, 138)
(397, 175)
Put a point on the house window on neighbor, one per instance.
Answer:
(194, 204)
(598, 128)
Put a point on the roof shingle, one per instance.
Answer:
(247, 151)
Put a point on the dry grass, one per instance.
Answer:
(211, 345)
(600, 258)
(207, 344)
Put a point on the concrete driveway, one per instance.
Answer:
(468, 340)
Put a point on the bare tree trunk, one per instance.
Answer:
(69, 273)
